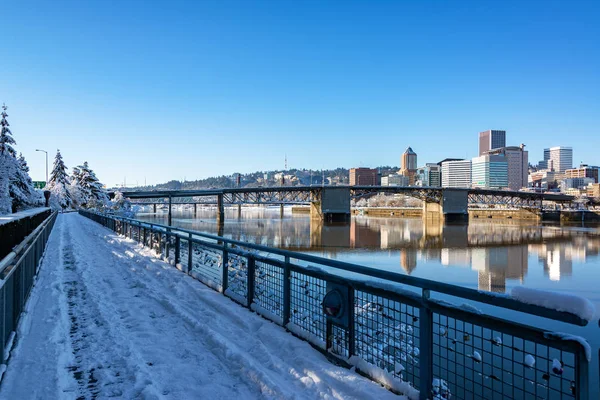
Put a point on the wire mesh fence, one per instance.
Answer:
(404, 339)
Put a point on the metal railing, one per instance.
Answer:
(17, 272)
(393, 335)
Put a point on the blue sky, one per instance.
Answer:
(165, 90)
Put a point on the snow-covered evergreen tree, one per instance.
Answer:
(121, 205)
(88, 189)
(21, 188)
(60, 197)
(7, 163)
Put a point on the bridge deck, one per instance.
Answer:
(106, 319)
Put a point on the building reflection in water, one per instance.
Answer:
(498, 251)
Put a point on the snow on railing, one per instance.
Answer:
(563, 302)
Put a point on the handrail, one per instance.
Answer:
(498, 300)
(6, 261)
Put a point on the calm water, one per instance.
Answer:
(487, 255)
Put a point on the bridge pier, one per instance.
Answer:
(195, 210)
(154, 208)
(220, 210)
(281, 211)
(453, 207)
(239, 206)
(330, 204)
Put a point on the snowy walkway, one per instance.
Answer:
(105, 319)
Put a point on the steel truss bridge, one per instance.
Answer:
(307, 194)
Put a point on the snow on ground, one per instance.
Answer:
(106, 320)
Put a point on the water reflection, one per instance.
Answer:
(497, 252)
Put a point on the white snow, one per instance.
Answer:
(105, 319)
(387, 378)
(574, 338)
(476, 356)
(565, 302)
(5, 219)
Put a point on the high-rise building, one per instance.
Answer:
(491, 139)
(409, 165)
(364, 177)
(394, 180)
(518, 165)
(429, 175)
(456, 173)
(490, 171)
(560, 159)
(584, 171)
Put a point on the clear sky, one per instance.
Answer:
(165, 90)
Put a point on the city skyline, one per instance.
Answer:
(217, 86)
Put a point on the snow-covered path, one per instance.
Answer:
(106, 319)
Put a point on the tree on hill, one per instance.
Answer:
(58, 185)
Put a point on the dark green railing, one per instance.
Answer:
(17, 272)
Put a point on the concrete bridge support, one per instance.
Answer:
(330, 204)
(195, 210)
(239, 211)
(154, 206)
(281, 210)
(220, 210)
(453, 207)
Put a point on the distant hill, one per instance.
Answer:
(293, 177)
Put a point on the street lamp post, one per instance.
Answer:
(46, 164)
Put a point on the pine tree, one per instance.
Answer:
(7, 163)
(59, 184)
(90, 192)
(21, 188)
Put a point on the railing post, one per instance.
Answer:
(190, 249)
(582, 384)
(251, 271)
(177, 248)
(425, 347)
(144, 239)
(151, 237)
(286, 291)
(351, 332)
(167, 241)
(225, 272)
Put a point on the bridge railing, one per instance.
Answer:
(398, 337)
(17, 272)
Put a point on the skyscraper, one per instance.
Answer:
(490, 172)
(518, 165)
(561, 158)
(364, 177)
(456, 173)
(409, 165)
(491, 139)
(429, 175)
